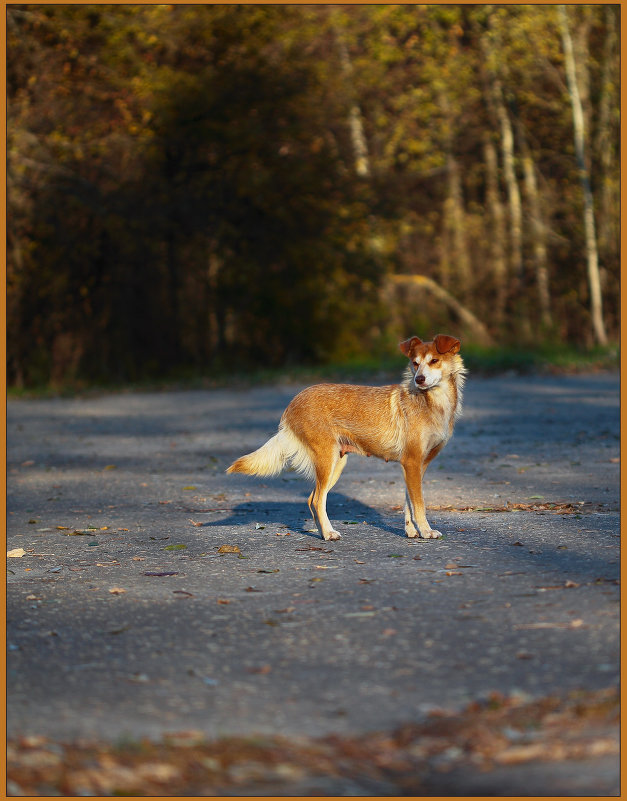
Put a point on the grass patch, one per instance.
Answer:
(479, 361)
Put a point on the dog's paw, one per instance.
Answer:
(432, 534)
(411, 532)
(332, 535)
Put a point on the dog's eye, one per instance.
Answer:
(434, 361)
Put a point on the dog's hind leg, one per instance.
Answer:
(328, 471)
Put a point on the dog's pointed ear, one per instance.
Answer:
(409, 345)
(446, 344)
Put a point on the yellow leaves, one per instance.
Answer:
(15, 553)
(229, 549)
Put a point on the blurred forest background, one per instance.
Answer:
(216, 186)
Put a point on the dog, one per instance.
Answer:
(408, 423)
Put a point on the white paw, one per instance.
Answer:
(410, 531)
(332, 535)
(432, 534)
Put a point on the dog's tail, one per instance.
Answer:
(271, 458)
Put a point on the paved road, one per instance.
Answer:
(292, 634)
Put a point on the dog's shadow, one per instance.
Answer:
(345, 513)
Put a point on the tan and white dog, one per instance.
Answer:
(408, 423)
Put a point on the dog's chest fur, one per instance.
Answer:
(431, 415)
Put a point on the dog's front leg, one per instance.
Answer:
(416, 524)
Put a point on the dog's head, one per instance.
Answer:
(430, 362)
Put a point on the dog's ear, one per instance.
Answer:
(409, 345)
(446, 344)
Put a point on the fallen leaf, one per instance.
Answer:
(262, 669)
(16, 552)
(223, 601)
(194, 523)
(283, 534)
(179, 547)
(253, 589)
(118, 630)
(186, 489)
(454, 573)
(110, 467)
(574, 624)
(517, 543)
(117, 590)
(32, 520)
(183, 592)
(315, 548)
(150, 573)
(33, 598)
(262, 570)
(139, 558)
(62, 528)
(122, 529)
(229, 549)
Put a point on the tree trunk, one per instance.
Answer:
(537, 231)
(608, 230)
(594, 279)
(497, 237)
(513, 191)
(455, 262)
(355, 119)
(478, 329)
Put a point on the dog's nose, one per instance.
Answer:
(420, 379)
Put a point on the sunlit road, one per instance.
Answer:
(124, 618)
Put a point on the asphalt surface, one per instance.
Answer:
(290, 634)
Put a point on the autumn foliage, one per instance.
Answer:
(208, 186)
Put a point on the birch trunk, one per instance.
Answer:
(498, 255)
(594, 279)
(355, 119)
(479, 331)
(605, 150)
(455, 263)
(538, 236)
(511, 182)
